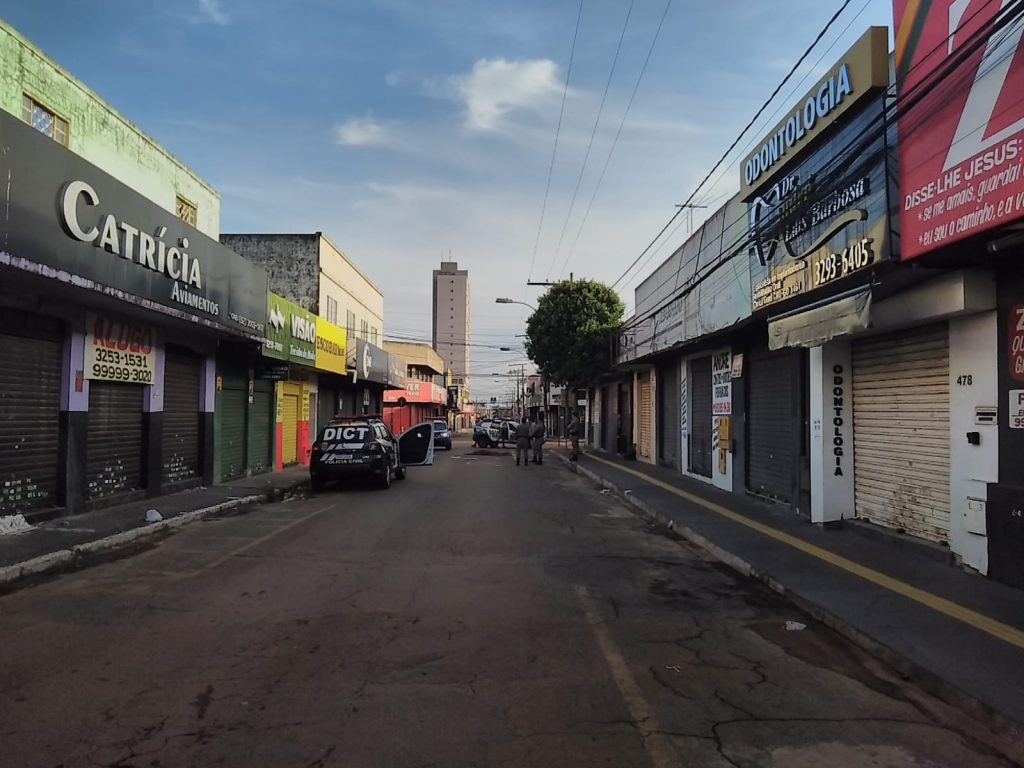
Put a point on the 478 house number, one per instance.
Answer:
(836, 265)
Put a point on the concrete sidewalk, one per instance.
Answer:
(958, 634)
(63, 542)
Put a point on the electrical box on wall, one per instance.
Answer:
(974, 516)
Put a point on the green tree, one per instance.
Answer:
(569, 334)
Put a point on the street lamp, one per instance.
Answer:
(513, 301)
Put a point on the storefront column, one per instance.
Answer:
(153, 424)
(831, 406)
(974, 432)
(207, 400)
(74, 415)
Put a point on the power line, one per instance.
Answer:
(615, 141)
(737, 140)
(554, 149)
(590, 144)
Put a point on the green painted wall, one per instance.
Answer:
(99, 133)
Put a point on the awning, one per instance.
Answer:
(813, 327)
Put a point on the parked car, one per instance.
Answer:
(442, 435)
(364, 447)
(500, 433)
(480, 432)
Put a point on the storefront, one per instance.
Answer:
(114, 312)
(818, 196)
(420, 401)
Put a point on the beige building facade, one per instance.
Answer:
(451, 318)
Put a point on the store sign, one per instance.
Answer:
(721, 383)
(69, 221)
(370, 362)
(119, 350)
(397, 368)
(839, 405)
(291, 332)
(1016, 409)
(826, 220)
(861, 71)
(1015, 340)
(962, 145)
(417, 392)
(331, 346)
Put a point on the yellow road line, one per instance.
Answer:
(946, 607)
(657, 746)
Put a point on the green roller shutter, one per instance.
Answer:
(261, 428)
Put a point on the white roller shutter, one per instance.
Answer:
(645, 415)
(901, 431)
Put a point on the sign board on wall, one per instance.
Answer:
(70, 221)
(721, 383)
(371, 363)
(962, 145)
(119, 350)
(330, 347)
(1016, 409)
(290, 332)
(862, 70)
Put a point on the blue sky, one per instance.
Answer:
(406, 129)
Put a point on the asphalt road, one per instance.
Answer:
(476, 614)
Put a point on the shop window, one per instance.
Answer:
(185, 210)
(44, 120)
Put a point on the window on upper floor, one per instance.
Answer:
(375, 336)
(364, 329)
(185, 210)
(332, 310)
(44, 119)
(350, 323)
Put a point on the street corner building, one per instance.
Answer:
(844, 337)
(113, 305)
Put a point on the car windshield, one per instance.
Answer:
(440, 426)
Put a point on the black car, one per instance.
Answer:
(442, 435)
(364, 447)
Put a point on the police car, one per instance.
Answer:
(361, 446)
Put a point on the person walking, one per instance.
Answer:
(537, 432)
(574, 429)
(523, 442)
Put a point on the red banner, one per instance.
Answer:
(962, 146)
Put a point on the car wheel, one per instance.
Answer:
(318, 484)
(400, 473)
(385, 480)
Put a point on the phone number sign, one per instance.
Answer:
(119, 350)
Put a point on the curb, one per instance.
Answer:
(1002, 726)
(64, 558)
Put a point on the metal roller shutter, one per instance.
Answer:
(232, 433)
(114, 441)
(30, 374)
(901, 431)
(608, 425)
(668, 416)
(261, 432)
(700, 416)
(773, 419)
(289, 427)
(645, 415)
(180, 445)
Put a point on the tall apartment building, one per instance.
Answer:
(451, 319)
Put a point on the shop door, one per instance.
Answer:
(645, 415)
(700, 416)
(30, 374)
(608, 426)
(114, 460)
(259, 457)
(901, 431)
(231, 433)
(180, 448)
(289, 423)
(774, 422)
(668, 416)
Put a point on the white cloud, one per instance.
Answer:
(497, 87)
(211, 12)
(365, 132)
